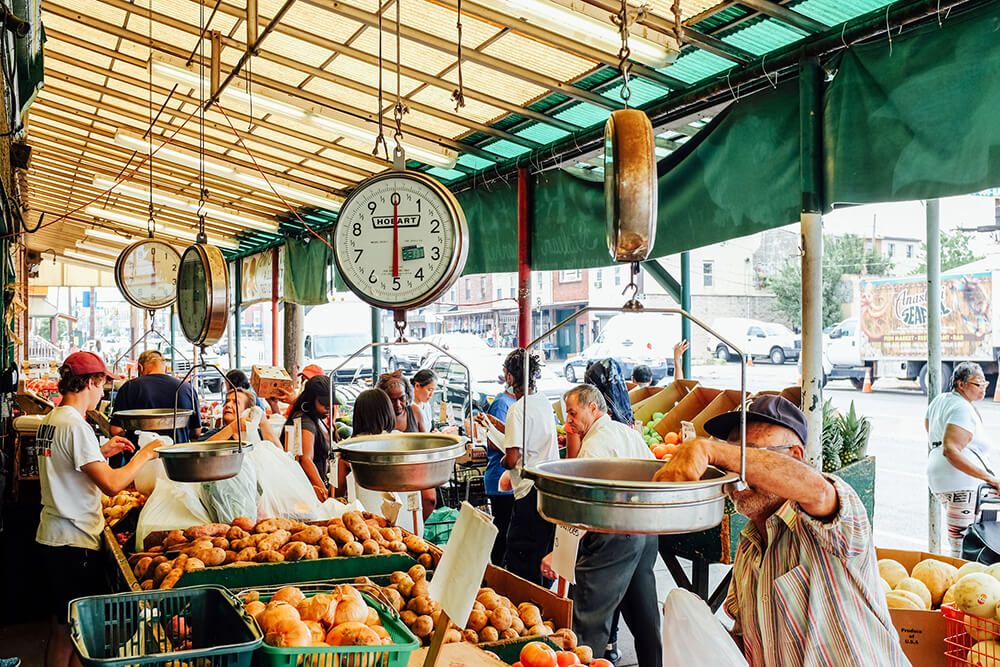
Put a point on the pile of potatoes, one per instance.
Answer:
(338, 618)
(494, 617)
(973, 589)
(269, 541)
(117, 507)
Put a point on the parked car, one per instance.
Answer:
(758, 339)
(632, 339)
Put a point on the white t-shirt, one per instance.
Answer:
(542, 441)
(71, 501)
(607, 438)
(942, 476)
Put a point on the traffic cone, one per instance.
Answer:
(867, 387)
(749, 360)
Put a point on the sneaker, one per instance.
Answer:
(10, 662)
(611, 653)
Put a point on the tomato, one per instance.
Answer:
(670, 449)
(660, 451)
(517, 664)
(537, 654)
(671, 438)
(566, 658)
(601, 662)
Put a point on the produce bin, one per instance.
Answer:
(395, 655)
(240, 577)
(662, 401)
(639, 394)
(203, 626)
(509, 650)
(686, 409)
(726, 401)
(961, 649)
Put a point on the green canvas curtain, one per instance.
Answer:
(306, 265)
(919, 119)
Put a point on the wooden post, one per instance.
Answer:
(293, 338)
(274, 306)
(524, 217)
(437, 640)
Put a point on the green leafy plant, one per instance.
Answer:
(833, 441)
(855, 430)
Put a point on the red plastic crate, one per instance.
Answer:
(959, 642)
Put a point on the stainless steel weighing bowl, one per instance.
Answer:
(153, 419)
(203, 461)
(619, 496)
(402, 461)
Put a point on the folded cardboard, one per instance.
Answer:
(270, 381)
(663, 400)
(921, 633)
(687, 409)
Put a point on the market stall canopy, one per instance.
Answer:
(295, 128)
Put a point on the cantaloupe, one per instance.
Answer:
(918, 588)
(904, 600)
(937, 575)
(977, 594)
(994, 571)
(985, 654)
(981, 629)
(970, 568)
(949, 595)
(885, 585)
(892, 571)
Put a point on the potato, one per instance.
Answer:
(193, 564)
(370, 546)
(273, 525)
(393, 534)
(310, 535)
(244, 523)
(237, 533)
(420, 588)
(489, 599)
(230, 557)
(396, 547)
(274, 541)
(352, 549)
(395, 598)
(542, 629)
(423, 626)
(240, 545)
(517, 625)
(207, 530)
(416, 544)
(220, 542)
(500, 618)
(550, 625)
(509, 633)
(564, 637)
(585, 654)
(417, 573)
(142, 567)
(341, 534)
(246, 555)
(268, 557)
(478, 606)
(312, 553)
(452, 636)
(471, 636)
(356, 524)
(327, 547)
(489, 634)
(293, 551)
(427, 560)
(423, 605)
(403, 583)
(477, 620)
(529, 613)
(172, 578)
(407, 617)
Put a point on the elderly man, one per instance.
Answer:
(612, 571)
(155, 388)
(805, 587)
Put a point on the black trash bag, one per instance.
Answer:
(606, 375)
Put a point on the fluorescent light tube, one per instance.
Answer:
(106, 236)
(169, 230)
(87, 247)
(88, 258)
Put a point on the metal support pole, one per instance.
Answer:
(933, 349)
(523, 256)
(376, 338)
(173, 351)
(237, 313)
(811, 123)
(686, 306)
(293, 338)
(274, 306)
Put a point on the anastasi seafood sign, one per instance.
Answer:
(894, 317)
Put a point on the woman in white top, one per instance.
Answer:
(424, 384)
(959, 460)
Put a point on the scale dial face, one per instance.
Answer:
(203, 294)
(401, 240)
(146, 274)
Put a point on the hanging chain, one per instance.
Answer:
(150, 223)
(400, 108)
(400, 325)
(202, 190)
(624, 19)
(458, 96)
(380, 139)
(633, 302)
(678, 23)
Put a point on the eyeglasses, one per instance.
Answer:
(979, 384)
(753, 446)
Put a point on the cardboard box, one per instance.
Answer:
(726, 401)
(457, 655)
(686, 409)
(662, 401)
(640, 394)
(270, 381)
(921, 633)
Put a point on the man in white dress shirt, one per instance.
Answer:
(612, 571)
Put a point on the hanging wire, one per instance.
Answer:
(458, 96)
(380, 139)
(150, 223)
(202, 192)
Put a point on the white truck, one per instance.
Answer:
(889, 336)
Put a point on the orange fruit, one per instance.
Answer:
(660, 451)
(537, 654)
(669, 449)
(671, 438)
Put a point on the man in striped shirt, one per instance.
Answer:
(805, 587)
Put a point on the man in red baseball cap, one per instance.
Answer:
(74, 471)
(311, 371)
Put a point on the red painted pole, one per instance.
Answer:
(523, 256)
(274, 306)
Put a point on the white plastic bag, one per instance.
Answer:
(145, 481)
(692, 635)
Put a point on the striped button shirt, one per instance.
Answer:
(813, 597)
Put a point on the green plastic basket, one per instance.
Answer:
(139, 630)
(396, 654)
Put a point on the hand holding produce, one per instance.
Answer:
(123, 502)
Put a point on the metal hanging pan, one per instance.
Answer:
(619, 496)
(402, 461)
(152, 419)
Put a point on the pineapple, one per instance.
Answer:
(855, 431)
(833, 440)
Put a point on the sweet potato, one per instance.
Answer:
(309, 535)
(268, 557)
(180, 560)
(327, 547)
(154, 539)
(240, 545)
(352, 549)
(161, 572)
(380, 520)
(210, 557)
(370, 546)
(335, 522)
(142, 567)
(259, 537)
(272, 525)
(173, 538)
(244, 523)
(207, 530)
(246, 554)
(220, 542)
(236, 533)
(147, 585)
(157, 560)
(274, 541)
(312, 552)
(293, 551)
(193, 564)
(356, 524)
(416, 544)
(172, 578)
(341, 534)
(230, 557)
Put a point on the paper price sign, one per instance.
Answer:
(564, 549)
(459, 575)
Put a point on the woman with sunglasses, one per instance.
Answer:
(959, 460)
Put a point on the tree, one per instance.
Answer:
(841, 255)
(955, 251)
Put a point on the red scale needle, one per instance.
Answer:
(395, 239)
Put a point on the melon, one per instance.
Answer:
(970, 568)
(885, 585)
(981, 629)
(904, 600)
(917, 587)
(985, 654)
(892, 571)
(937, 575)
(994, 571)
(977, 594)
(949, 596)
